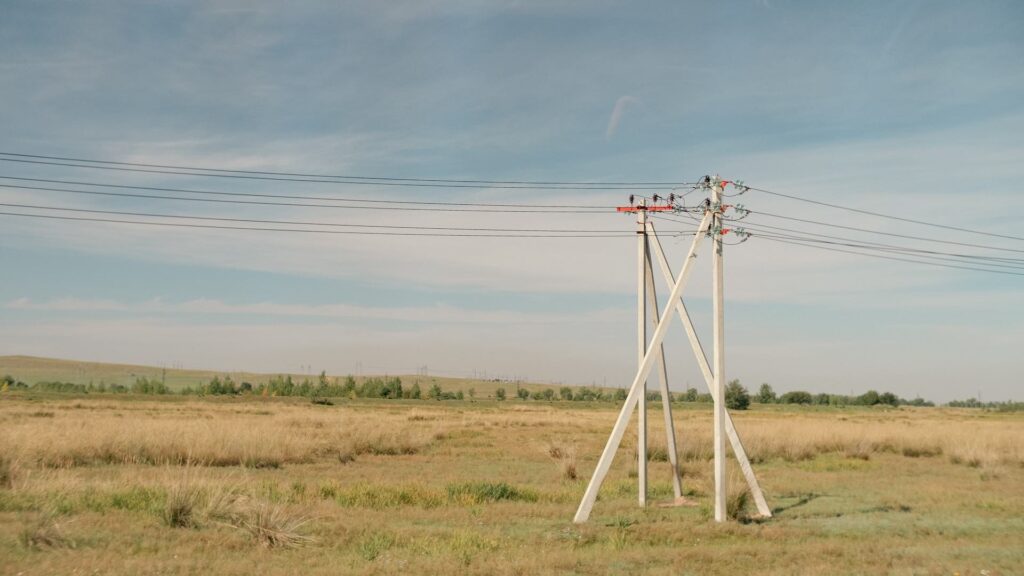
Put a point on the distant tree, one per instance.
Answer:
(691, 395)
(869, 398)
(415, 392)
(736, 396)
(549, 394)
(889, 398)
(620, 395)
(499, 393)
(796, 397)
(472, 393)
(459, 395)
(766, 395)
(565, 393)
(523, 393)
(435, 392)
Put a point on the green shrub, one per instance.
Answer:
(736, 396)
(480, 492)
(796, 397)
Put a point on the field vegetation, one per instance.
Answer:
(241, 484)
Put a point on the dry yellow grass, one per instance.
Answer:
(186, 485)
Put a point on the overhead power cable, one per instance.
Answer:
(888, 216)
(979, 259)
(330, 179)
(304, 204)
(758, 227)
(613, 233)
(589, 207)
(884, 257)
(937, 256)
(309, 230)
(886, 233)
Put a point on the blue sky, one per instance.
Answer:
(909, 108)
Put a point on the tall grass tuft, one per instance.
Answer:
(8, 471)
(737, 503)
(183, 504)
(275, 526)
(565, 456)
(44, 532)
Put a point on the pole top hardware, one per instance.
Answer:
(644, 208)
(669, 205)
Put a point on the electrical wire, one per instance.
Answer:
(869, 255)
(993, 261)
(313, 231)
(615, 233)
(894, 234)
(888, 216)
(439, 180)
(303, 204)
(906, 252)
(775, 229)
(302, 197)
(329, 179)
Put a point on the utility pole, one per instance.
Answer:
(653, 352)
(641, 327)
(719, 354)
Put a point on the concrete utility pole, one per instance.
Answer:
(719, 336)
(653, 351)
(641, 330)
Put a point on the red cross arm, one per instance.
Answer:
(645, 208)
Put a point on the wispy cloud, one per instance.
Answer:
(616, 116)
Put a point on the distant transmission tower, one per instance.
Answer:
(653, 351)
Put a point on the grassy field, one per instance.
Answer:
(184, 485)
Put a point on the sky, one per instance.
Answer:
(912, 109)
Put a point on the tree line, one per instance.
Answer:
(737, 397)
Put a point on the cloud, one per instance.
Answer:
(617, 111)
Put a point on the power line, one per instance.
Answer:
(307, 230)
(939, 256)
(303, 204)
(762, 227)
(610, 233)
(993, 261)
(438, 180)
(303, 197)
(869, 255)
(889, 216)
(867, 243)
(329, 179)
(894, 234)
